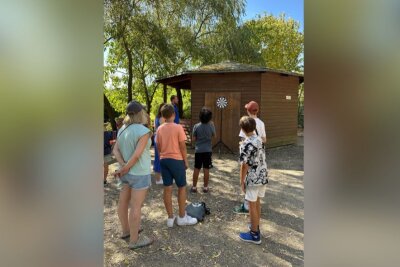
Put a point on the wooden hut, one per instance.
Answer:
(275, 91)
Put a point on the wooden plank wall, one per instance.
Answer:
(248, 84)
(278, 113)
(229, 116)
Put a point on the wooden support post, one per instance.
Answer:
(180, 103)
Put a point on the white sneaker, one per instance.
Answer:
(187, 220)
(160, 182)
(170, 221)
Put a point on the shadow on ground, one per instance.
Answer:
(215, 241)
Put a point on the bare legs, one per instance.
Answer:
(206, 176)
(181, 201)
(195, 176)
(123, 206)
(196, 173)
(258, 210)
(105, 165)
(135, 215)
(255, 212)
(131, 224)
(168, 200)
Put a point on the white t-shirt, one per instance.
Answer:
(260, 129)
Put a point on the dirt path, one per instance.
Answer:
(215, 241)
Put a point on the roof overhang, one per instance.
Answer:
(183, 80)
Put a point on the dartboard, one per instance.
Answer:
(222, 102)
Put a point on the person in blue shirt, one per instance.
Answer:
(157, 165)
(174, 101)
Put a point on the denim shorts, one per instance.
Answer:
(172, 169)
(137, 181)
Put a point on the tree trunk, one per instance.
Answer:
(180, 103)
(130, 72)
(165, 93)
(111, 113)
(148, 106)
(147, 95)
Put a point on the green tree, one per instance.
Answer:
(149, 39)
(281, 46)
(279, 42)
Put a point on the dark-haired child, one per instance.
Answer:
(203, 132)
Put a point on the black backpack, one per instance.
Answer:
(198, 210)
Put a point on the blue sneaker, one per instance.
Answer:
(251, 237)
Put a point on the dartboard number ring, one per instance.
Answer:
(222, 102)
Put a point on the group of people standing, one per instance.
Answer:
(132, 152)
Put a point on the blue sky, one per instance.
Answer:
(292, 8)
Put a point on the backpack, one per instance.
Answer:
(198, 210)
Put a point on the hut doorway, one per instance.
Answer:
(230, 117)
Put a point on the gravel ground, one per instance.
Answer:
(215, 242)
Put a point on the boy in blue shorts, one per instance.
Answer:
(171, 144)
(203, 132)
(253, 176)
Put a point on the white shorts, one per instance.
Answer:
(254, 192)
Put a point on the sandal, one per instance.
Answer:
(128, 235)
(193, 189)
(206, 189)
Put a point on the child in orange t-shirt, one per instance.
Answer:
(173, 159)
